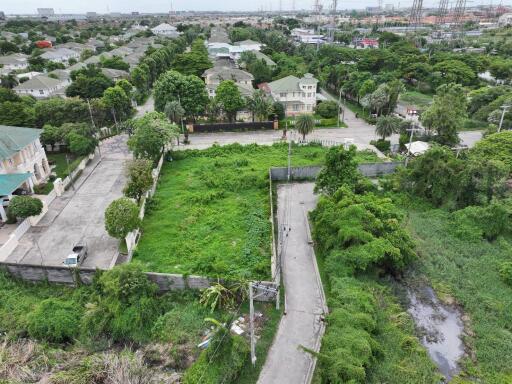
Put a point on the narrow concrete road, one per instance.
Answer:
(357, 129)
(78, 215)
(287, 362)
(148, 106)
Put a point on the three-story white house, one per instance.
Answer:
(298, 96)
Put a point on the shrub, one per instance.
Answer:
(381, 145)
(25, 206)
(124, 305)
(506, 272)
(340, 169)
(327, 109)
(121, 217)
(54, 320)
(476, 222)
(221, 362)
(81, 145)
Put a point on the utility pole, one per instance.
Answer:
(289, 158)
(339, 108)
(90, 114)
(251, 324)
(70, 175)
(412, 129)
(505, 110)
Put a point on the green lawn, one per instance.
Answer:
(415, 98)
(61, 166)
(468, 271)
(210, 214)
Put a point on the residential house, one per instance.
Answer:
(298, 96)
(14, 62)
(214, 76)
(249, 45)
(23, 161)
(166, 30)
(222, 50)
(505, 20)
(115, 74)
(41, 87)
(78, 47)
(307, 36)
(60, 55)
(261, 56)
(243, 80)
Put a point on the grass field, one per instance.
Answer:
(61, 166)
(210, 214)
(415, 98)
(468, 271)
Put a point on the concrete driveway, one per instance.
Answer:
(78, 215)
(302, 325)
(358, 130)
(148, 106)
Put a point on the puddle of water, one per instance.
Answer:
(440, 327)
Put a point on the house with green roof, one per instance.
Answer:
(298, 96)
(23, 161)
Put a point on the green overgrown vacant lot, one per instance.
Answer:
(416, 98)
(467, 269)
(210, 214)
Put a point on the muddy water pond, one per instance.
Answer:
(440, 329)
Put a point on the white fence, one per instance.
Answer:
(133, 237)
(14, 239)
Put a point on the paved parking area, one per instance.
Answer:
(78, 215)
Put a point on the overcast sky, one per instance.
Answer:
(104, 6)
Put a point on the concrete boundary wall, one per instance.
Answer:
(74, 276)
(311, 172)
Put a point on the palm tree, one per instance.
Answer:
(8, 81)
(175, 112)
(386, 126)
(260, 105)
(305, 125)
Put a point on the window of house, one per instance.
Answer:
(296, 107)
(282, 94)
(41, 92)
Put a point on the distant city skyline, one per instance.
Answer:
(160, 6)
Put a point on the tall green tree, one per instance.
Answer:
(189, 91)
(152, 133)
(446, 114)
(140, 178)
(340, 169)
(194, 62)
(229, 97)
(260, 105)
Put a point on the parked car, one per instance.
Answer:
(77, 256)
(4, 200)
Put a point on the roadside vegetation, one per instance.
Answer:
(118, 327)
(210, 213)
(444, 220)
(359, 237)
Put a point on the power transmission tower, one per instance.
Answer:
(416, 12)
(458, 17)
(334, 6)
(442, 12)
